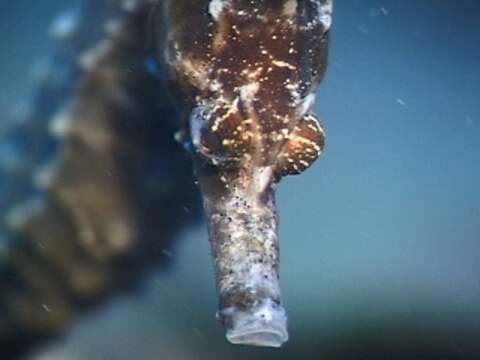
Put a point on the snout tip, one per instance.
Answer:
(263, 325)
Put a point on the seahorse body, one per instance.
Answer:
(247, 71)
(93, 183)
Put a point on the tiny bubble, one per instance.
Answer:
(469, 120)
(197, 332)
(363, 29)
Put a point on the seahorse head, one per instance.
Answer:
(249, 71)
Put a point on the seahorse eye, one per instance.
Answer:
(215, 135)
(204, 142)
(304, 145)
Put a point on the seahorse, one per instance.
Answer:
(246, 74)
(99, 185)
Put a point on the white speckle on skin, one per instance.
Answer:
(232, 109)
(325, 13)
(61, 125)
(306, 104)
(280, 63)
(248, 92)
(290, 8)
(216, 86)
(216, 7)
(293, 88)
(263, 179)
(304, 163)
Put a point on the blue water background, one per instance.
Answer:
(383, 229)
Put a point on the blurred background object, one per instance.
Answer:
(380, 239)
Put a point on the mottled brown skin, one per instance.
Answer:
(246, 72)
(211, 60)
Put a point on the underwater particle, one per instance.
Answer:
(363, 29)
(167, 253)
(469, 120)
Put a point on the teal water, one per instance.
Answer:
(380, 239)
